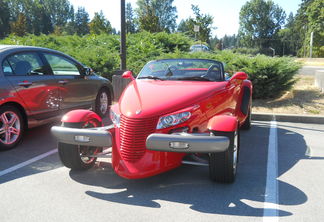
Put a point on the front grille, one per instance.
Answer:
(133, 134)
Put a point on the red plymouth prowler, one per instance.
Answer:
(177, 111)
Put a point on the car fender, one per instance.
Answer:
(80, 115)
(223, 123)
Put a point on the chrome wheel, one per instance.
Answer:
(10, 127)
(103, 106)
(85, 151)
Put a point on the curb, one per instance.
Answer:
(295, 118)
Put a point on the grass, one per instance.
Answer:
(304, 98)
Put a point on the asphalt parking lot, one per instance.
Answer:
(280, 178)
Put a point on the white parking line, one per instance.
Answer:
(271, 207)
(32, 160)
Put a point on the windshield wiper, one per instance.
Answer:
(150, 77)
(195, 78)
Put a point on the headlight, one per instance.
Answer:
(172, 120)
(115, 118)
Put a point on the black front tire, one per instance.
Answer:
(223, 165)
(247, 124)
(70, 157)
(12, 127)
(70, 154)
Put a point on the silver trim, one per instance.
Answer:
(200, 143)
(99, 136)
(194, 163)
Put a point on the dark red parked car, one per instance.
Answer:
(176, 111)
(37, 85)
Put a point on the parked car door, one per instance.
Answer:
(75, 90)
(33, 83)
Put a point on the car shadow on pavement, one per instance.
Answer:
(190, 184)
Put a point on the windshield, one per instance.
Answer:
(183, 69)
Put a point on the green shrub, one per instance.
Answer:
(270, 76)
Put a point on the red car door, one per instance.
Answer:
(32, 83)
(75, 90)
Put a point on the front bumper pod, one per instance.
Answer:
(97, 137)
(187, 143)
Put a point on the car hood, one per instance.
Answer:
(148, 98)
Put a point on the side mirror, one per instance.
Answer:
(128, 75)
(239, 76)
(88, 71)
(227, 76)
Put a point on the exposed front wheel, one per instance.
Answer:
(11, 127)
(223, 165)
(78, 157)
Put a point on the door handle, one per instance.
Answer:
(25, 83)
(63, 82)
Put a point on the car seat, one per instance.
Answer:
(22, 68)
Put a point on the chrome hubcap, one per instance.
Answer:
(9, 127)
(103, 102)
(235, 151)
(86, 150)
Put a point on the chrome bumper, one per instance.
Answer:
(187, 143)
(98, 137)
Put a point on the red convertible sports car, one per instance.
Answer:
(177, 111)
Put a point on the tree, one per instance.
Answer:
(40, 19)
(309, 18)
(289, 37)
(213, 42)
(204, 21)
(59, 11)
(70, 26)
(156, 15)
(19, 27)
(99, 24)
(4, 18)
(82, 21)
(147, 17)
(260, 22)
(229, 41)
(130, 21)
(183, 26)
(315, 14)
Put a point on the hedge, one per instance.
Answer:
(270, 75)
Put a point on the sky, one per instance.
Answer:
(225, 12)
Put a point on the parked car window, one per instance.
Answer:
(6, 68)
(23, 64)
(199, 48)
(61, 66)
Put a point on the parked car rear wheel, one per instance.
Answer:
(223, 165)
(11, 127)
(75, 156)
(103, 101)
